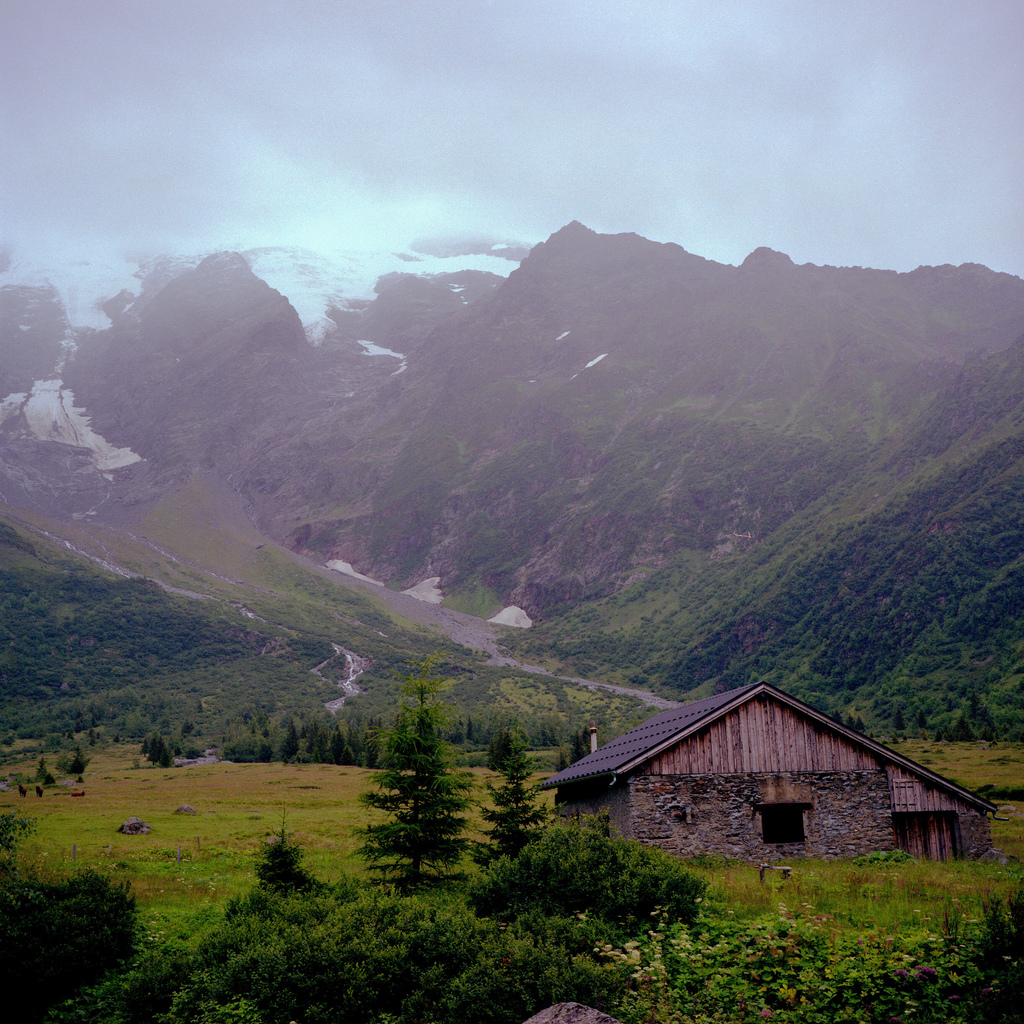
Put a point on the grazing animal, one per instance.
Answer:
(39, 790)
(22, 790)
(78, 792)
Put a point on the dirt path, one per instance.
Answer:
(479, 634)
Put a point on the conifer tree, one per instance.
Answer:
(425, 796)
(279, 865)
(516, 815)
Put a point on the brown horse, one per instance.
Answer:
(39, 790)
(22, 790)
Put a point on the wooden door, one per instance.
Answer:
(931, 834)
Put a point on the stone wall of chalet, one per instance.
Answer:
(844, 813)
(975, 834)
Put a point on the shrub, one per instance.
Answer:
(578, 867)
(360, 956)
(1002, 953)
(62, 935)
(14, 826)
(786, 970)
(883, 857)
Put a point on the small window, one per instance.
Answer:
(782, 823)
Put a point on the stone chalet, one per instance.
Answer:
(756, 774)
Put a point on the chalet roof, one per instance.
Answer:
(630, 750)
(648, 737)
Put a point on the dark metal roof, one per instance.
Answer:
(620, 752)
(634, 747)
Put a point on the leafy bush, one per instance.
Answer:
(359, 955)
(1002, 951)
(883, 857)
(58, 936)
(578, 867)
(14, 826)
(786, 970)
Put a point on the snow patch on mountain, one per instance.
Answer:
(345, 567)
(512, 616)
(427, 590)
(378, 350)
(11, 406)
(50, 415)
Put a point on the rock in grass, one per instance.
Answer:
(134, 827)
(998, 857)
(571, 1013)
(185, 809)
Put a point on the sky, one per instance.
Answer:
(882, 134)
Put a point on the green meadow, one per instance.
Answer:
(192, 860)
(869, 941)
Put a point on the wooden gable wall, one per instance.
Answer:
(762, 736)
(912, 794)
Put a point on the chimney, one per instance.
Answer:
(593, 736)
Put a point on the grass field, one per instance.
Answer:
(191, 861)
(237, 808)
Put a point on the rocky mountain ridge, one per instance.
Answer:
(614, 411)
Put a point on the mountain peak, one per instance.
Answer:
(224, 262)
(572, 232)
(763, 258)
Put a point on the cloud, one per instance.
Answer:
(875, 134)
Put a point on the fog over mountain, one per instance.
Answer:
(874, 134)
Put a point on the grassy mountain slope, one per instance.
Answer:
(230, 634)
(618, 404)
(898, 594)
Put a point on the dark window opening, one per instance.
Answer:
(782, 823)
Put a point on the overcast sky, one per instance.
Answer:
(885, 134)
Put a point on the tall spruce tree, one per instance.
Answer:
(516, 815)
(419, 787)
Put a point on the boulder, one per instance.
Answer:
(571, 1013)
(998, 857)
(185, 809)
(134, 827)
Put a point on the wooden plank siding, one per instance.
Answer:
(761, 736)
(933, 834)
(910, 793)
